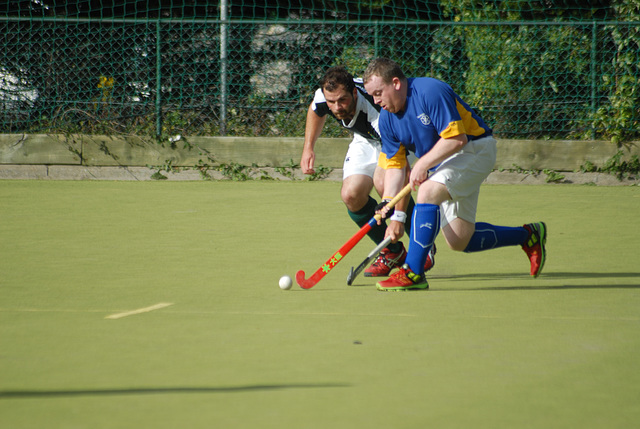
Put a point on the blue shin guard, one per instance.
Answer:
(489, 236)
(425, 226)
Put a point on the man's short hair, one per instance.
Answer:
(335, 77)
(385, 68)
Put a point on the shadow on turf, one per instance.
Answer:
(557, 287)
(556, 275)
(29, 394)
(550, 276)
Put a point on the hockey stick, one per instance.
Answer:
(374, 253)
(346, 247)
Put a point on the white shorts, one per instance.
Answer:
(361, 158)
(462, 174)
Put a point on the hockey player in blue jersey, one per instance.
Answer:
(456, 151)
(343, 97)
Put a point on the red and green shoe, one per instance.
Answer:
(534, 247)
(403, 279)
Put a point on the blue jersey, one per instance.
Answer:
(432, 111)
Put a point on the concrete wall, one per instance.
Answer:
(96, 150)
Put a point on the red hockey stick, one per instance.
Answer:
(346, 247)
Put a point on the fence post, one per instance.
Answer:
(594, 35)
(376, 42)
(158, 82)
(223, 66)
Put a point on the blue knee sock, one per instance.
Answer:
(489, 236)
(425, 226)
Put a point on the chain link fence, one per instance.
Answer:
(250, 70)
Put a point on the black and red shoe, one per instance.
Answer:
(385, 262)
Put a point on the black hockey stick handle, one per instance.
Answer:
(370, 257)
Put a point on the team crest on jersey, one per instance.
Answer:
(424, 119)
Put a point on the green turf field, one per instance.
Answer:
(485, 347)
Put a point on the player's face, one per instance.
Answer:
(388, 95)
(341, 102)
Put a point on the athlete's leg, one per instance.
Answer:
(431, 192)
(359, 174)
(462, 233)
(425, 223)
(359, 178)
(378, 181)
(487, 236)
(463, 175)
(360, 205)
(457, 233)
(424, 229)
(355, 191)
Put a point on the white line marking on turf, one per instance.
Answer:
(262, 313)
(139, 310)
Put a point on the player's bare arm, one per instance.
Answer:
(395, 228)
(394, 179)
(442, 150)
(313, 129)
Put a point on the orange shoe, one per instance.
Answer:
(403, 279)
(534, 247)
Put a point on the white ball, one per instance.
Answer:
(285, 282)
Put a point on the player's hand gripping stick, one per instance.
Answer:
(346, 247)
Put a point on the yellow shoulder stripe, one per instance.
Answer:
(399, 160)
(467, 125)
